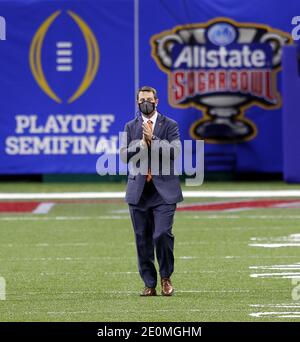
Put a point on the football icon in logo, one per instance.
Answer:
(61, 60)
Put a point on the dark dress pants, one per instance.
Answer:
(152, 220)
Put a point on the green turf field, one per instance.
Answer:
(78, 262)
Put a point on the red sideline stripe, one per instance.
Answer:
(235, 205)
(88, 201)
(18, 207)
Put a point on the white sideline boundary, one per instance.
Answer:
(121, 194)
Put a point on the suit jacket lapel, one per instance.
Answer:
(158, 125)
(139, 127)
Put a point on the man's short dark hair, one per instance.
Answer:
(147, 88)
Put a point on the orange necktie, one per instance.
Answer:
(149, 176)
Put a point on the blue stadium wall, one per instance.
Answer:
(70, 71)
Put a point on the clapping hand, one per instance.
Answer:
(147, 133)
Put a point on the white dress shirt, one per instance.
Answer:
(145, 120)
(153, 119)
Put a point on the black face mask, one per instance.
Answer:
(147, 107)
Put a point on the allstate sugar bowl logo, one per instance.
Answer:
(221, 67)
(68, 63)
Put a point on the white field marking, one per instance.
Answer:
(242, 193)
(116, 273)
(274, 245)
(43, 208)
(279, 275)
(177, 217)
(187, 291)
(277, 267)
(63, 244)
(58, 313)
(80, 244)
(185, 258)
(214, 291)
(208, 242)
(279, 314)
(46, 244)
(44, 259)
(2, 288)
(291, 268)
(275, 305)
(238, 217)
(192, 243)
(186, 194)
(178, 272)
(114, 292)
(75, 274)
(292, 240)
(133, 257)
(289, 238)
(61, 313)
(77, 258)
(258, 257)
(63, 195)
(59, 292)
(62, 218)
(120, 211)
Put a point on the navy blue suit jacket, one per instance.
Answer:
(166, 132)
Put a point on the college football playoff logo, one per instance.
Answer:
(221, 67)
(63, 57)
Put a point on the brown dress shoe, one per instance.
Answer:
(148, 291)
(167, 288)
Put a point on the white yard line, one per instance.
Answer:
(292, 240)
(62, 218)
(62, 195)
(279, 314)
(242, 193)
(283, 275)
(178, 217)
(60, 313)
(238, 217)
(188, 291)
(288, 271)
(275, 305)
(274, 245)
(121, 194)
(84, 258)
(133, 257)
(289, 267)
